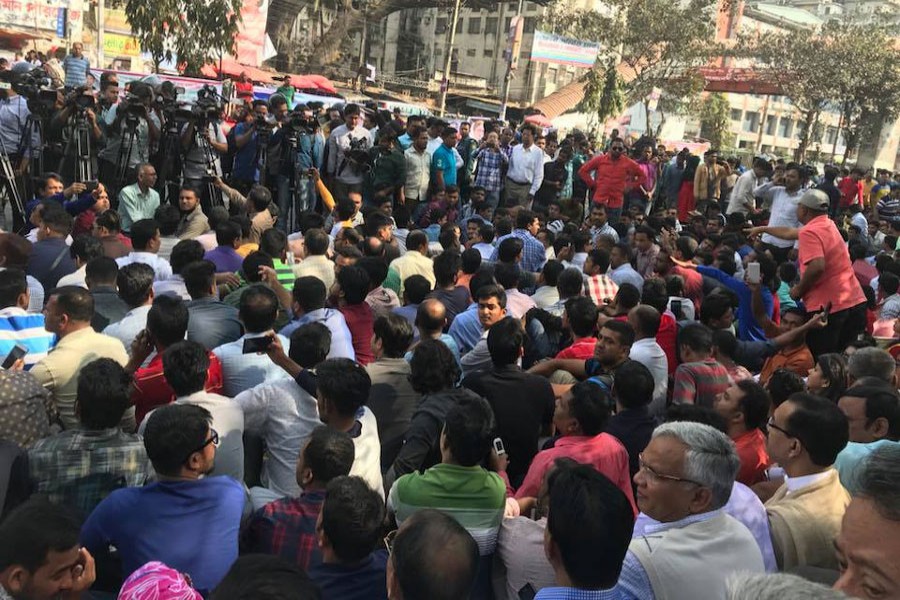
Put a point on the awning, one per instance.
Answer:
(15, 35)
(312, 83)
(233, 68)
(564, 99)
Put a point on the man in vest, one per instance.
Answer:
(685, 478)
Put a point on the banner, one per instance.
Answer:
(550, 48)
(251, 38)
(38, 15)
(116, 44)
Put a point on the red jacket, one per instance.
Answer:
(851, 192)
(610, 178)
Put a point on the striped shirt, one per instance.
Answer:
(473, 496)
(18, 327)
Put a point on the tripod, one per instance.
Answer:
(12, 190)
(262, 153)
(79, 147)
(170, 166)
(126, 149)
(212, 168)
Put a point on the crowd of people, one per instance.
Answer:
(514, 367)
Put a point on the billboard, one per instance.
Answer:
(251, 39)
(551, 48)
(60, 16)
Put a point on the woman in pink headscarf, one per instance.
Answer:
(156, 581)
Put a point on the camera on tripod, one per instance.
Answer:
(358, 155)
(36, 87)
(298, 121)
(265, 121)
(80, 99)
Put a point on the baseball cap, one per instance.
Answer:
(815, 199)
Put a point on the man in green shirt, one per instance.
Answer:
(388, 171)
(287, 90)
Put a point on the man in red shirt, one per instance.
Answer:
(609, 174)
(851, 188)
(745, 407)
(167, 324)
(580, 317)
(349, 290)
(580, 417)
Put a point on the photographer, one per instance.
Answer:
(133, 114)
(76, 120)
(346, 146)
(198, 166)
(301, 146)
(14, 115)
(246, 160)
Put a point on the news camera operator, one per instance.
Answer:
(388, 172)
(249, 152)
(300, 148)
(78, 128)
(18, 143)
(132, 128)
(204, 143)
(109, 95)
(347, 141)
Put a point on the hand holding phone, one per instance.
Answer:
(753, 273)
(16, 354)
(257, 344)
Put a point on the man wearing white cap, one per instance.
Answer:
(826, 275)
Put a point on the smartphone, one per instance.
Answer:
(90, 186)
(676, 309)
(827, 312)
(17, 353)
(257, 344)
(498, 446)
(753, 275)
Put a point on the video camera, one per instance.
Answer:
(297, 121)
(36, 87)
(358, 156)
(79, 100)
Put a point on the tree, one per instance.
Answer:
(868, 90)
(346, 19)
(715, 121)
(805, 66)
(647, 46)
(197, 32)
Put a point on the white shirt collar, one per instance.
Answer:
(798, 483)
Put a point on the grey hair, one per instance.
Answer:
(777, 586)
(879, 482)
(872, 362)
(711, 458)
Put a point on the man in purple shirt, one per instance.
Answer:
(225, 256)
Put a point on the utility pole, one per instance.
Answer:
(363, 69)
(512, 59)
(101, 17)
(445, 82)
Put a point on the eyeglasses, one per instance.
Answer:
(213, 439)
(389, 541)
(771, 425)
(654, 476)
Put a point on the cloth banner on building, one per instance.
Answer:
(551, 48)
(251, 41)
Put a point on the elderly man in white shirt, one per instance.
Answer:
(743, 199)
(526, 170)
(784, 192)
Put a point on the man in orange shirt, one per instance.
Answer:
(608, 175)
(796, 356)
(745, 407)
(826, 274)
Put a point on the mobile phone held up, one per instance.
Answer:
(753, 275)
(257, 344)
(499, 448)
(18, 352)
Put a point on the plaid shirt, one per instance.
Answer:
(287, 528)
(700, 382)
(490, 169)
(533, 255)
(600, 287)
(80, 468)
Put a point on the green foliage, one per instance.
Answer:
(646, 45)
(197, 32)
(715, 121)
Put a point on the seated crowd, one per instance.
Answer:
(363, 409)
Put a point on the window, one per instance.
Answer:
(490, 25)
(470, 52)
(459, 26)
(551, 75)
(751, 121)
(736, 114)
(831, 135)
(440, 27)
(475, 25)
(771, 124)
(529, 24)
(488, 52)
(785, 126)
(507, 24)
(531, 7)
(513, 5)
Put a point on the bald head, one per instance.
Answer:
(433, 557)
(430, 318)
(645, 320)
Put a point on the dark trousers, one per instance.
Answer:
(843, 327)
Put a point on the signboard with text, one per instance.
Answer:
(116, 44)
(551, 48)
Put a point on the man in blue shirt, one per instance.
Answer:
(444, 162)
(245, 171)
(589, 529)
(186, 520)
(77, 66)
(309, 295)
(349, 532)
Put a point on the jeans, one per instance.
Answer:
(301, 200)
